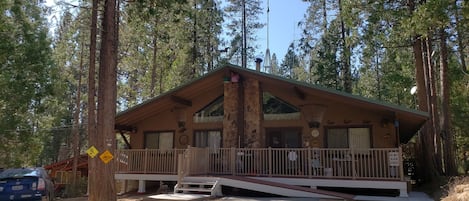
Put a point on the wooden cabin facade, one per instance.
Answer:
(236, 124)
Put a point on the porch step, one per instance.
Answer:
(205, 187)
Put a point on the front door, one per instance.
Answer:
(283, 137)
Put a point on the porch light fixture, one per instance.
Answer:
(313, 124)
(180, 117)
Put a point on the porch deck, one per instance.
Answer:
(320, 163)
(314, 168)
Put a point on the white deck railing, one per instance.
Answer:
(375, 164)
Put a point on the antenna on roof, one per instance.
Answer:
(267, 59)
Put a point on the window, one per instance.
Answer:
(159, 140)
(275, 108)
(213, 112)
(354, 138)
(211, 139)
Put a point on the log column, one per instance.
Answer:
(231, 113)
(253, 114)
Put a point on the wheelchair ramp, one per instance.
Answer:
(281, 189)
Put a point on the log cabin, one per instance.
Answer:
(242, 128)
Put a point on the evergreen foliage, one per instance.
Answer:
(361, 47)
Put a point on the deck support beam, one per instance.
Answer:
(141, 186)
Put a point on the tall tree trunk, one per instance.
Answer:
(460, 37)
(194, 44)
(346, 66)
(324, 17)
(154, 64)
(430, 80)
(445, 123)
(76, 116)
(107, 101)
(425, 139)
(426, 155)
(92, 136)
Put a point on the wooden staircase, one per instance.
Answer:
(211, 188)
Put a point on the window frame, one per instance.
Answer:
(146, 136)
(370, 137)
(206, 132)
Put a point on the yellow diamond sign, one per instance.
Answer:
(106, 156)
(92, 151)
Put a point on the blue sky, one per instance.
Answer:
(283, 29)
(284, 17)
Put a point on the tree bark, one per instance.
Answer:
(154, 64)
(76, 116)
(346, 68)
(92, 136)
(445, 123)
(430, 80)
(107, 101)
(425, 157)
(461, 44)
(194, 44)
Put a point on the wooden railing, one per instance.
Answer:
(148, 161)
(379, 164)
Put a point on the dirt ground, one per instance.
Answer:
(138, 197)
(142, 197)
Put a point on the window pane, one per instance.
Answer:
(200, 139)
(151, 140)
(210, 139)
(159, 140)
(337, 138)
(166, 140)
(214, 139)
(359, 138)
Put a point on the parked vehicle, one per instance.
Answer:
(26, 184)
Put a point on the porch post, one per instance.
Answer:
(270, 161)
(141, 186)
(233, 160)
(145, 160)
(180, 167)
(401, 164)
(354, 171)
(123, 187)
(310, 162)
